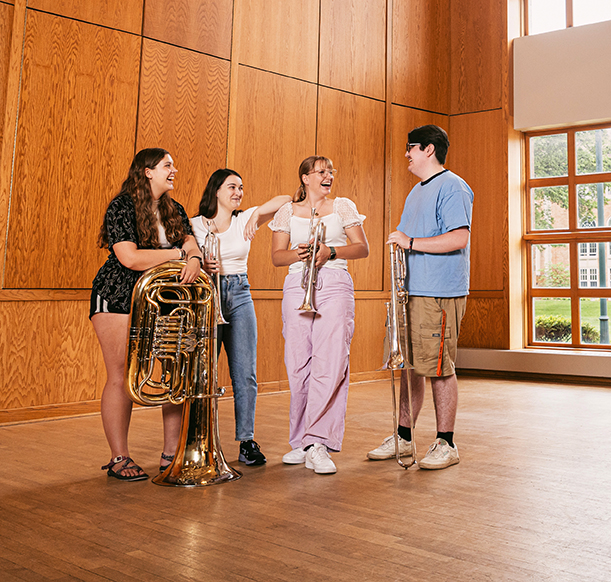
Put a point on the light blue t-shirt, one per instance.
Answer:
(439, 205)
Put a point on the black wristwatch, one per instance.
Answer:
(333, 254)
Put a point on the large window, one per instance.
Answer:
(568, 237)
(548, 15)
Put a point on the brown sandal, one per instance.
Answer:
(128, 463)
(168, 458)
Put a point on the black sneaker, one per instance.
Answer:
(251, 454)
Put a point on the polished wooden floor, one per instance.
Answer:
(529, 501)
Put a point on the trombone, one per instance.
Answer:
(397, 357)
(210, 250)
(310, 272)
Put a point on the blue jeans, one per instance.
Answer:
(239, 337)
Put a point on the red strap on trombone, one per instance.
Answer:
(443, 335)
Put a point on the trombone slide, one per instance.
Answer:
(398, 349)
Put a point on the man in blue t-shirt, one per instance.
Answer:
(434, 231)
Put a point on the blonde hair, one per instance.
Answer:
(306, 167)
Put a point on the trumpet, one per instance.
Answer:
(397, 354)
(210, 250)
(310, 272)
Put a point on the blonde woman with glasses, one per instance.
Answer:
(317, 343)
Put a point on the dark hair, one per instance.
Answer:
(306, 167)
(208, 205)
(431, 134)
(137, 185)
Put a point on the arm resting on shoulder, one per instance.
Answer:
(264, 213)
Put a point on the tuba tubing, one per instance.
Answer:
(172, 358)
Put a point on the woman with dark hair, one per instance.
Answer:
(143, 227)
(317, 344)
(219, 214)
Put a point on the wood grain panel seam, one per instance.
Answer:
(96, 24)
(278, 74)
(352, 93)
(474, 112)
(419, 109)
(184, 48)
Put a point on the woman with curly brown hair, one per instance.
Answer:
(143, 227)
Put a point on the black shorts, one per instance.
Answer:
(98, 304)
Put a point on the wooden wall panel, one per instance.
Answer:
(479, 46)
(276, 131)
(6, 27)
(184, 104)
(478, 154)
(367, 349)
(201, 25)
(485, 324)
(351, 133)
(421, 65)
(49, 354)
(120, 14)
(296, 23)
(353, 46)
(90, 97)
(270, 348)
(74, 144)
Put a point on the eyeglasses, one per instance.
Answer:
(322, 173)
(411, 145)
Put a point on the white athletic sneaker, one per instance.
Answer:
(440, 455)
(319, 459)
(294, 457)
(387, 449)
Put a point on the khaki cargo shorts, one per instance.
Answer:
(429, 320)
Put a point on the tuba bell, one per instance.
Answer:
(172, 358)
(397, 353)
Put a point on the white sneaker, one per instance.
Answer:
(295, 457)
(439, 456)
(387, 449)
(319, 459)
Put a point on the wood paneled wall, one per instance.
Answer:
(257, 86)
(479, 126)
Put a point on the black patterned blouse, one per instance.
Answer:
(114, 282)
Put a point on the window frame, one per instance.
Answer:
(573, 236)
(568, 13)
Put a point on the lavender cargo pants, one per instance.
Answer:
(317, 357)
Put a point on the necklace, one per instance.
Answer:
(317, 212)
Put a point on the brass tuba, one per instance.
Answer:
(397, 353)
(172, 358)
